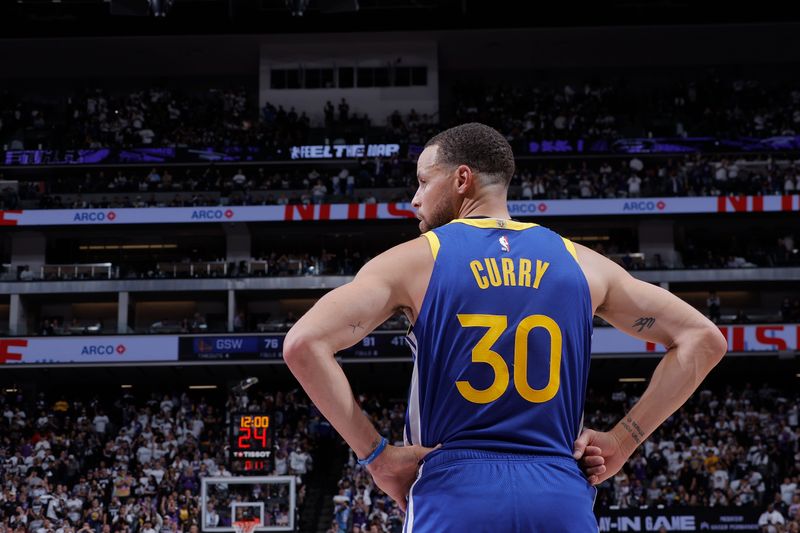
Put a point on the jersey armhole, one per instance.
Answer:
(433, 241)
(571, 249)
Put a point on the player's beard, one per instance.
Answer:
(443, 211)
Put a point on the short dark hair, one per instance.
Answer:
(478, 146)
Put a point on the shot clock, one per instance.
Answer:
(251, 438)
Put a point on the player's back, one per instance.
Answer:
(501, 345)
(502, 341)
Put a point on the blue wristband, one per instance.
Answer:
(374, 455)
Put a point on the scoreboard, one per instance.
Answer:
(251, 442)
(261, 347)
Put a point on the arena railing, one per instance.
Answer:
(79, 271)
(208, 268)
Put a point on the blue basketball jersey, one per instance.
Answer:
(502, 341)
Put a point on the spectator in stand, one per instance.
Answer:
(25, 274)
(788, 185)
(713, 305)
(239, 180)
(769, 519)
(299, 461)
(344, 109)
(788, 490)
(154, 180)
(711, 104)
(793, 511)
(527, 188)
(318, 192)
(550, 180)
(239, 322)
(100, 422)
(634, 186)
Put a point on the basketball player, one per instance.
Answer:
(502, 325)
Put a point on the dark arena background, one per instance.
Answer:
(180, 180)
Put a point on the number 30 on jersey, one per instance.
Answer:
(483, 353)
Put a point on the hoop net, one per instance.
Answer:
(245, 526)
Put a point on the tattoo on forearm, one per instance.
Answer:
(644, 322)
(373, 446)
(356, 326)
(633, 428)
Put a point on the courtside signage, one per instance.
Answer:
(88, 349)
(740, 519)
(741, 338)
(167, 348)
(387, 211)
(343, 151)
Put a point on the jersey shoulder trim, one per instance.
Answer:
(494, 223)
(571, 248)
(433, 241)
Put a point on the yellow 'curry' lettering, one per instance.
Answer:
(525, 272)
(476, 268)
(508, 273)
(509, 279)
(492, 270)
(541, 268)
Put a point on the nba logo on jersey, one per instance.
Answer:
(504, 244)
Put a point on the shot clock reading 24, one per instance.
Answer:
(251, 438)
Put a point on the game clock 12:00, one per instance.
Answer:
(251, 441)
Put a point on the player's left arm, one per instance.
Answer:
(343, 317)
(694, 346)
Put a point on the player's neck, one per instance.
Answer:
(485, 206)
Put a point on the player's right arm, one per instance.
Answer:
(694, 346)
(394, 280)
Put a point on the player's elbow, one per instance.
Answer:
(296, 348)
(300, 349)
(715, 344)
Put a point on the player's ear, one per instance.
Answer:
(465, 178)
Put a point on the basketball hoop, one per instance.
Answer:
(245, 526)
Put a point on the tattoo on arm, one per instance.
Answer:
(356, 326)
(633, 428)
(644, 322)
(372, 447)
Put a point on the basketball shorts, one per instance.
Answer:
(470, 491)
